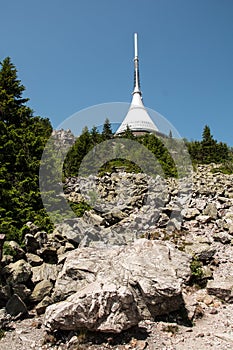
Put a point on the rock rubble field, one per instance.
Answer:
(150, 266)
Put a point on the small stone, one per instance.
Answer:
(37, 324)
(190, 213)
(169, 327)
(199, 312)
(203, 219)
(200, 335)
(208, 300)
(217, 303)
(189, 330)
(200, 298)
(141, 344)
(213, 311)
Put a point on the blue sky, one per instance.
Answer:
(72, 54)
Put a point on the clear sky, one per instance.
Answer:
(72, 54)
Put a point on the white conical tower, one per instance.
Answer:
(137, 118)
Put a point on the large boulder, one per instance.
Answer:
(112, 288)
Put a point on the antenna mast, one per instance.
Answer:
(136, 66)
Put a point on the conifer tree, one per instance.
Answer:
(13, 110)
(22, 139)
(107, 130)
(128, 134)
(73, 160)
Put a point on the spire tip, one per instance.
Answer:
(136, 44)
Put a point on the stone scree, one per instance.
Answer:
(98, 273)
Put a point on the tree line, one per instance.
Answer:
(22, 140)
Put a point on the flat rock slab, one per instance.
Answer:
(113, 288)
(221, 288)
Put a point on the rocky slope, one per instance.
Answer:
(106, 278)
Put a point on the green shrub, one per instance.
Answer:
(197, 275)
(8, 250)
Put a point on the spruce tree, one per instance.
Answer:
(128, 134)
(22, 139)
(74, 157)
(107, 130)
(13, 110)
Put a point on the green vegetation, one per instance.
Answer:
(8, 250)
(196, 268)
(22, 141)
(197, 276)
(208, 150)
(80, 208)
(2, 333)
(89, 139)
(225, 168)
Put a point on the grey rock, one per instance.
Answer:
(5, 318)
(22, 291)
(33, 259)
(32, 227)
(203, 219)
(16, 307)
(5, 293)
(106, 308)
(18, 272)
(48, 254)
(222, 237)
(42, 289)
(45, 272)
(221, 288)
(90, 217)
(6, 260)
(19, 253)
(174, 224)
(41, 307)
(31, 243)
(112, 289)
(65, 248)
(211, 210)
(200, 250)
(207, 273)
(190, 213)
(41, 237)
(72, 231)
